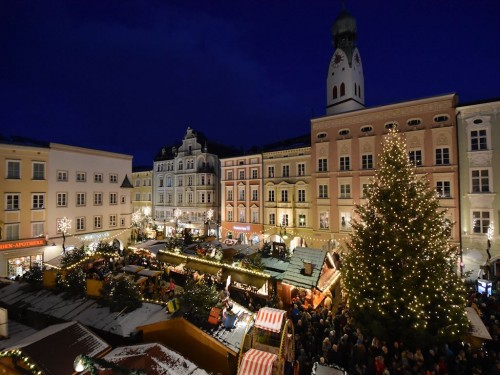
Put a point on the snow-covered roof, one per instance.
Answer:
(154, 359)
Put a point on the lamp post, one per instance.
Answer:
(63, 226)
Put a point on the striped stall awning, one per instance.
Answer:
(270, 319)
(257, 362)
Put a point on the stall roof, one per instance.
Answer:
(270, 319)
(294, 274)
(172, 258)
(203, 267)
(257, 362)
(149, 273)
(132, 268)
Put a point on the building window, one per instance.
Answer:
(442, 156)
(480, 181)
(190, 180)
(242, 175)
(229, 195)
(179, 198)
(180, 167)
(286, 171)
(241, 195)
(13, 169)
(37, 230)
(366, 129)
(272, 219)
(324, 221)
(367, 161)
(180, 182)
(270, 171)
(138, 182)
(97, 222)
(271, 195)
(62, 199)
(254, 174)
(81, 176)
(137, 197)
(98, 177)
(38, 171)
(81, 199)
(301, 169)
(160, 182)
(255, 195)
(169, 181)
(478, 140)
(113, 198)
(284, 195)
(229, 215)
(344, 132)
(242, 215)
(345, 191)
(113, 178)
(123, 199)
(342, 89)
(12, 202)
(11, 232)
(345, 221)
(80, 223)
(202, 197)
(365, 189)
(414, 122)
(190, 197)
(323, 191)
(302, 220)
(334, 92)
(345, 163)
(301, 195)
(37, 201)
(415, 157)
(443, 189)
(284, 220)
(322, 165)
(255, 217)
(112, 220)
(62, 175)
(229, 175)
(480, 221)
(122, 222)
(160, 198)
(97, 199)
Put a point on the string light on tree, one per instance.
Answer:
(63, 226)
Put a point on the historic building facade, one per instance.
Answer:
(241, 198)
(479, 137)
(46, 185)
(287, 193)
(345, 148)
(142, 200)
(186, 185)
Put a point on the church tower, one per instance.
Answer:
(345, 89)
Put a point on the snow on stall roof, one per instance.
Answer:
(155, 358)
(16, 332)
(83, 310)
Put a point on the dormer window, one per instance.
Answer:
(391, 125)
(321, 135)
(366, 129)
(478, 121)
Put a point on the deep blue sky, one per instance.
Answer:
(130, 76)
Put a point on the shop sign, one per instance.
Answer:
(22, 244)
(245, 228)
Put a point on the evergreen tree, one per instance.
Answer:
(121, 295)
(399, 273)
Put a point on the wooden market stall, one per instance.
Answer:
(268, 345)
(310, 273)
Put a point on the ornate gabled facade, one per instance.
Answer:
(187, 178)
(479, 137)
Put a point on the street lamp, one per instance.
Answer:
(63, 226)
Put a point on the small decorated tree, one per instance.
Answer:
(399, 273)
(121, 295)
(198, 299)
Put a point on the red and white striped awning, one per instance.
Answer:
(270, 319)
(257, 362)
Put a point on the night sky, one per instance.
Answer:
(131, 76)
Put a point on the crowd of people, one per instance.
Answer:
(326, 336)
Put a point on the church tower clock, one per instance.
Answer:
(345, 89)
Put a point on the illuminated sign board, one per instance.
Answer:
(21, 244)
(242, 228)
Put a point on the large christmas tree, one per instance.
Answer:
(399, 273)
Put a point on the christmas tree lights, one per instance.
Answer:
(399, 272)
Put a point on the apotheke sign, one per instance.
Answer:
(22, 244)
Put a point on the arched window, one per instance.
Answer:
(355, 89)
(359, 91)
(342, 89)
(180, 165)
(334, 92)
